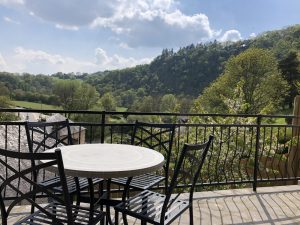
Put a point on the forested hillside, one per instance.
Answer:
(189, 70)
(184, 73)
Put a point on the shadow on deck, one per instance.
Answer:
(270, 205)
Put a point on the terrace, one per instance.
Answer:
(269, 205)
(250, 173)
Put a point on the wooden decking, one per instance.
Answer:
(270, 205)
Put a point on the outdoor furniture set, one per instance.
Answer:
(68, 174)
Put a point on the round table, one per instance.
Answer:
(108, 160)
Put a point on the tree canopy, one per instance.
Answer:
(251, 84)
(75, 94)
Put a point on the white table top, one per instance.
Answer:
(108, 160)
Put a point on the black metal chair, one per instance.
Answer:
(60, 211)
(46, 135)
(155, 136)
(156, 208)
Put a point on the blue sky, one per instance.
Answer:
(49, 36)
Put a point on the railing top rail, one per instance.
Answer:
(143, 113)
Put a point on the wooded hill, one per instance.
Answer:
(189, 70)
(184, 73)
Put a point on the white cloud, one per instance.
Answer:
(116, 61)
(11, 2)
(161, 24)
(66, 27)
(231, 35)
(252, 35)
(37, 61)
(29, 55)
(139, 23)
(9, 20)
(69, 12)
(124, 45)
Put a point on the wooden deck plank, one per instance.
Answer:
(269, 206)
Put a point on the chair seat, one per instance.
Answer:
(81, 215)
(83, 183)
(143, 182)
(147, 206)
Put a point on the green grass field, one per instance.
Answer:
(121, 109)
(33, 105)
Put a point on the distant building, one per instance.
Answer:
(78, 132)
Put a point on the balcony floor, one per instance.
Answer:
(270, 205)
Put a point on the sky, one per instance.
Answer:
(86, 36)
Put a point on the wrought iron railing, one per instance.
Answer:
(247, 150)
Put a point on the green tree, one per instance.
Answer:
(185, 104)
(251, 84)
(108, 102)
(66, 90)
(290, 68)
(87, 95)
(168, 103)
(75, 94)
(4, 91)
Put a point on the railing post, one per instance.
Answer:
(256, 164)
(294, 154)
(102, 126)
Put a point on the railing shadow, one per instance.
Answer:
(270, 207)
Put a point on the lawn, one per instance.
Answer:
(33, 105)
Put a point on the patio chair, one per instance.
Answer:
(156, 208)
(46, 135)
(60, 211)
(155, 136)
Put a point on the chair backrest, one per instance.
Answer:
(187, 171)
(8, 159)
(155, 136)
(45, 135)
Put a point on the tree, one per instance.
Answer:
(4, 91)
(65, 90)
(168, 103)
(251, 84)
(75, 94)
(87, 95)
(108, 102)
(290, 68)
(185, 104)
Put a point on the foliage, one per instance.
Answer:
(168, 103)
(33, 105)
(4, 91)
(250, 84)
(290, 68)
(75, 94)
(5, 103)
(108, 102)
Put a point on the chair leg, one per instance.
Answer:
(191, 215)
(101, 190)
(32, 208)
(143, 222)
(116, 217)
(125, 222)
